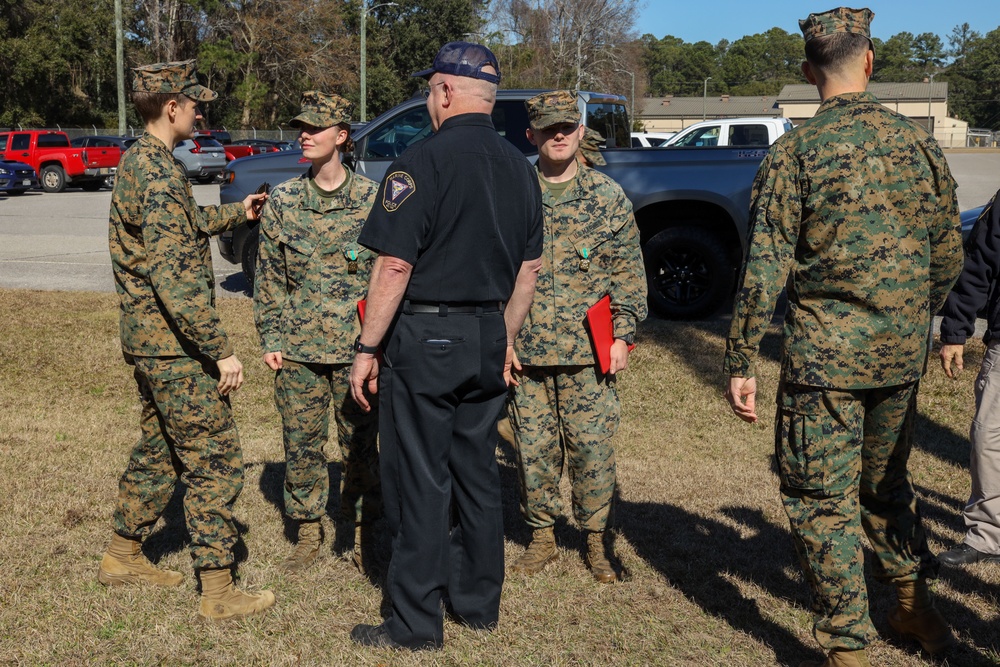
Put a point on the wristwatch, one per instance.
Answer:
(629, 338)
(364, 349)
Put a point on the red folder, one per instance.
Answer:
(602, 332)
(361, 311)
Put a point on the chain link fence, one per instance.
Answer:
(280, 134)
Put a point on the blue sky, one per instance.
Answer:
(715, 20)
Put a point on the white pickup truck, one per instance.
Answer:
(731, 132)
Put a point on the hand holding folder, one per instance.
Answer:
(602, 332)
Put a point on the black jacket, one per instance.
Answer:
(979, 284)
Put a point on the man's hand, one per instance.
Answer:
(510, 366)
(273, 360)
(253, 204)
(231, 374)
(619, 356)
(742, 396)
(364, 372)
(949, 354)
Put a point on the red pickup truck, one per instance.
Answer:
(57, 163)
(233, 151)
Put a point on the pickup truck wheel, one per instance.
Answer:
(249, 258)
(688, 273)
(53, 178)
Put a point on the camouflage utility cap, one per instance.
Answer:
(322, 110)
(173, 77)
(841, 19)
(463, 59)
(591, 146)
(552, 108)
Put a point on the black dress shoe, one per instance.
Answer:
(963, 554)
(376, 636)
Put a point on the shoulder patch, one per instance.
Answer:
(398, 187)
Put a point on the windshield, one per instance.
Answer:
(611, 120)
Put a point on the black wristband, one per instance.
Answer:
(364, 349)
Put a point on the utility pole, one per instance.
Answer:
(365, 10)
(704, 99)
(120, 65)
(631, 113)
(930, 87)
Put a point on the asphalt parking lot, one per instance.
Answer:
(60, 241)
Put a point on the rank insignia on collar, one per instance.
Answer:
(398, 187)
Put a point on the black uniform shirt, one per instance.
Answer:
(464, 208)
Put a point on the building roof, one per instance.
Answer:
(715, 106)
(885, 92)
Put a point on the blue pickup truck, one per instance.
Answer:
(691, 204)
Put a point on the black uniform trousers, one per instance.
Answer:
(441, 391)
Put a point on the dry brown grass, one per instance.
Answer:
(714, 581)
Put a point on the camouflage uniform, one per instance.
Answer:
(171, 333)
(857, 209)
(590, 148)
(311, 274)
(564, 407)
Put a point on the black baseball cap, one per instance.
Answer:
(463, 59)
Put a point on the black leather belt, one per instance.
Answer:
(456, 308)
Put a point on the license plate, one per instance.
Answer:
(105, 171)
(26, 182)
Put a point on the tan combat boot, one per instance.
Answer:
(221, 600)
(539, 553)
(124, 563)
(916, 617)
(605, 570)
(307, 549)
(841, 658)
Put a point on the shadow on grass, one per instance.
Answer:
(702, 556)
(237, 283)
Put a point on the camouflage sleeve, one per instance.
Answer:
(628, 279)
(944, 232)
(269, 293)
(217, 219)
(775, 216)
(177, 269)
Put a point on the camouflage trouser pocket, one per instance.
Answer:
(800, 445)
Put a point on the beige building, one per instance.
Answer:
(925, 103)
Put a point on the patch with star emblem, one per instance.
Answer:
(398, 187)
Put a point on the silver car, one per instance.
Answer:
(203, 158)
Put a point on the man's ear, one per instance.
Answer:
(869, 63)
(531, 136)
(808, 73)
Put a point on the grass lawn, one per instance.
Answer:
(714, 579)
